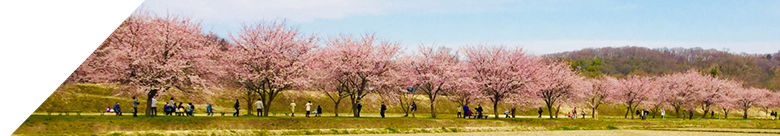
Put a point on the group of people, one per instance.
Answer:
(180, 110)
(467, 113)
(572, 115)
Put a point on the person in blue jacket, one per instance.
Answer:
(117, 109)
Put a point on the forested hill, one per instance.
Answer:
(757, 70)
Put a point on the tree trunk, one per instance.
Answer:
(628, 111)
(433, 111)
(335, 108)
(549, 110)
(745, 115)
(149, 103)
(677, 111)
(495, 109)
(726, 114)
(593, 114)
(355, 112)
(557, 110)
(267, 107)
(249, 106)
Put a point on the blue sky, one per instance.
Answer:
(540, 27)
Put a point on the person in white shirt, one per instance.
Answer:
(292, 109)
(154, 107)
(259, 104)
(308, 109)
(663, 113)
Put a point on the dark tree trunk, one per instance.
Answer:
(433, 111)
(557, 110)
(745, 115)
(336, 108)
(495, 109)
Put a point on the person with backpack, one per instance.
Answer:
(382, 110)
(414, 108)
(236, 106)
(135, 107)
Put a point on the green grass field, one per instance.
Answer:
(251, 125)
(92, 98)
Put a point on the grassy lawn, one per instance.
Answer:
(251, 125)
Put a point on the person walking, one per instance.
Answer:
(382, 110)
(117, 110)
(154, 106)
(236, 106)
(135, 107)
(259, 104)
(209, 110)
(540, 112)
(308, 108)
(414, 108)
(292, 109)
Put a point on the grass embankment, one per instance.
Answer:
(251, 125)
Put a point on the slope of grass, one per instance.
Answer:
(109, 124)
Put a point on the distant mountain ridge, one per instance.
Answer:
(757, 70)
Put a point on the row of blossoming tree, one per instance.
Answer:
(152, 54)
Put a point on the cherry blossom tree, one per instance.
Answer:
(271, 58)
(152, 54)
(465, 90)
(359, 66)
(433, 71)
(500, 72)
(633, 91)
(714, 92)
(556, 82)
(681, 88)
(599, 92)
(728, 100)
(46, 51)
(749, 97)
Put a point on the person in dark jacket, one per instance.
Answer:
(414, 108)
(479, 112)
(691, 115)
(466, 111)
(319, 111)
(167, 108)
(359, 107)
(180, 109)
(117, 109)
(236, 107)
(540, 112)
(382, 110)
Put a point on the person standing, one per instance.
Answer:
(690, 117)
(259, 104)
(319, 111)
(308, 109)
(382, 110)
(514, 109)
(154, 107)
(414, 108)
(684, 111)
(460, 110)
(292, 109)
(540, 112)
(135, 107)
(479, 112)
(117, 110)
(236, 106)
(663, 113)
(359, 107)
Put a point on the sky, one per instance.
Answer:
(539, 27)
